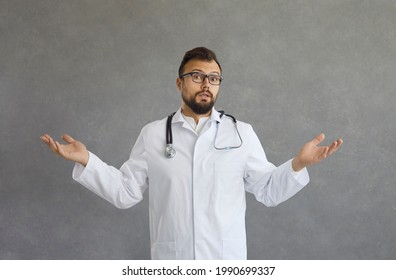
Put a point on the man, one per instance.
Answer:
(197, 187)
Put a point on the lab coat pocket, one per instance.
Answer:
(229, 176)
(229, 203)
(229, 186)
(163, 251)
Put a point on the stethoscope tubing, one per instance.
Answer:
(170, 152)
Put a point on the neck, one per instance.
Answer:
(190, 113)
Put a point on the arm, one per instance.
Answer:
(269, 184)
(122, 187)
(272, 185)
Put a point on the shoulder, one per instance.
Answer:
(154, 125)
(244, 126)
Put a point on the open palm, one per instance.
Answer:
(74, 150)
(311, 153)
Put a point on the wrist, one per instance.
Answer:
(297, 165)
(84, 159)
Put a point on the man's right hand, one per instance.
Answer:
(74, 150)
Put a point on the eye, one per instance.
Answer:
(214, 79)
(197, 76)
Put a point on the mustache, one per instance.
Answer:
(204, 91)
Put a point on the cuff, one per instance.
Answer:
(301, 176)
(79, 169)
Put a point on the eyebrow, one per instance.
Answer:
(199, 70)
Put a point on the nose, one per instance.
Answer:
(205, 83)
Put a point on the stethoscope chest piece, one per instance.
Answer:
(170, 152)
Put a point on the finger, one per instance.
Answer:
(68, 138)
(44, 139)
(324, 153)
(335, 146)
(45, 136)
(339, 143)
(319, 139)
(59, 149)
(53, 145)
(332, 148)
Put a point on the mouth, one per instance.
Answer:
(204, 95)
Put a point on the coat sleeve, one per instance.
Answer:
(122, 187)
(270, 185)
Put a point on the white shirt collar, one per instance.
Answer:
(189, 122)
(196, 126)
(178, 117)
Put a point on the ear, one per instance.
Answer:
(179, 83)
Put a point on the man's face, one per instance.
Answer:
(198, 98)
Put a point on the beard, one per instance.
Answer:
(200, 108)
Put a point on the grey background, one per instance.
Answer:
(100, 70)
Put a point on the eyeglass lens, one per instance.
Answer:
(200, 77)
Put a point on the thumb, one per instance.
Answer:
(319, 139)
(68, 138)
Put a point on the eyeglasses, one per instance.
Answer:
(199, 78)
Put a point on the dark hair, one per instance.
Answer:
(200, 53)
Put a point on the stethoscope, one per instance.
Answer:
(170, 152)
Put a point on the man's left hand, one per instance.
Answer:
(311, 153)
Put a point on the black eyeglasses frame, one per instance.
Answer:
(205, 76)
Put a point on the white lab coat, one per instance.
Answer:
(197, 199)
